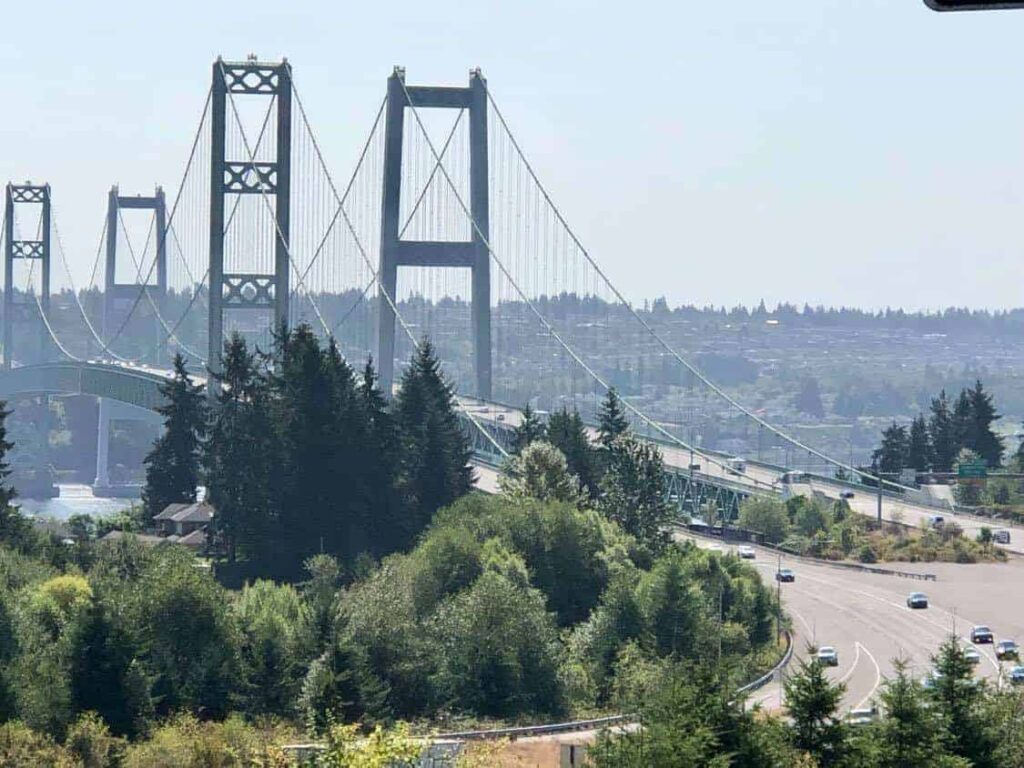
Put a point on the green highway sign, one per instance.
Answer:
(972, 5)
(972, 469)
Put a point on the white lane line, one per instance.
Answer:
(810, 630)
(878, 679)
(945, 629)
(856, 658)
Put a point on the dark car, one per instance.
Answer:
(917, 600)
(846, 495)
(1001, 537)
(1017, 675)
(785, 575)
(981, 635)
(1007, 649)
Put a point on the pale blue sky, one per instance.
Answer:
(863, 152)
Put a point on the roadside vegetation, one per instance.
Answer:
(415, 600)
(832, 531)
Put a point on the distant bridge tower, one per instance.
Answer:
(116, 294)
(243, 176)
(23, 312)
(472, 254)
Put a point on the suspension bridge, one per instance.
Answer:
(442, 230)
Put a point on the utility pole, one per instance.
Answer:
(778, 600)
(879, 498)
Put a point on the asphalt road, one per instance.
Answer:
(865, 617)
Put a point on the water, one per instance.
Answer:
(74, 499)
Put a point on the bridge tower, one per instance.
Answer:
(22, 312)
(472, 254)
(116, 293)
(246, 176)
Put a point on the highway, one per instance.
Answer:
(865, 617)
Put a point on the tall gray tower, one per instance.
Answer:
(25, 313)
(472, 254)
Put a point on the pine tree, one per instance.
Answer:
(943, 434)
(568, 434)
(612, 420)
(240, 456)
(381, 463)
(529, 430)
(634, 488)
(7, 493)
(982, 439)
(808, 399)
(960, 698)
(172, 466)
(919, 451)
(435, 454)
(963, 421)
(813, 704)
(911, 734)
(894, 453)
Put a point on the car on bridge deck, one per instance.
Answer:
(982, 635)
(785, 575)
(917, 600)
(1007, 649)
(828, 656)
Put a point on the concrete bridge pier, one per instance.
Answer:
(103, 445)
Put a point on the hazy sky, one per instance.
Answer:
(858, 152)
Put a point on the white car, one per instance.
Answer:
(746, 552)
(828, 656)
(972, 656)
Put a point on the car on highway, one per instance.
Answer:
(936, 521)
(972, 655)
(917, 600)
(1016, 675)
(786, 575)
(828, 656)
(1001, 537)
(746, 552)
(846, 495)
(863, 715)
(694, 467)
(1007, 649)
(736, 466)
(982, 635)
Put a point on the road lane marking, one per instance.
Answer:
(878, 679)
(856, 657)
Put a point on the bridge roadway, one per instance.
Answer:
(865, 617)
(912, 508)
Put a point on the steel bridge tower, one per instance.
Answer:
(246, 176)
(116, 293)
(472, 254)
(22, 312)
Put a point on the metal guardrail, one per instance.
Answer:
(538, 730)
(766, 678)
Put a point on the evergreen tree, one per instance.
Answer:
(611, 419)
(813, 704)
(963, 421)
(435, 453)
(381, 463)
(911, 734)
(894, 453)
(960, 698)
(808, 399)
(568, 434)
(172, 466)
(529, 430)
(919, 450)
(240, 456)
(634, 490)
(539, 472)
(943, 434)
(7, 493)
(981, 438)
